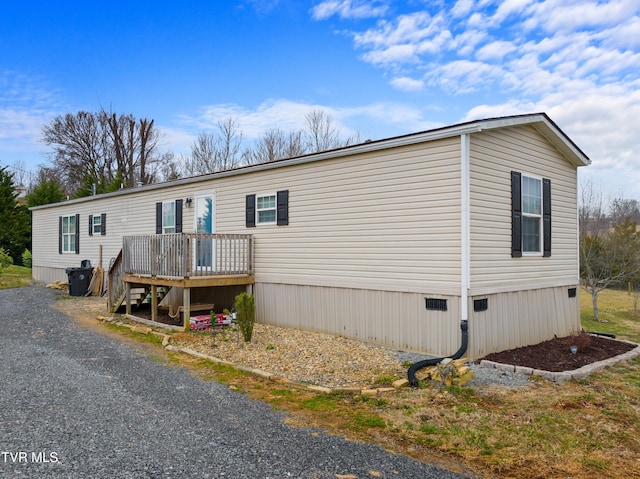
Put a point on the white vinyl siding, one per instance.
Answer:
(388, 220)
(493, 155)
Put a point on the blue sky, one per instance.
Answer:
(380, 68)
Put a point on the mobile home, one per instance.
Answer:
(393, 242)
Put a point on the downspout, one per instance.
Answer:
(465, 264)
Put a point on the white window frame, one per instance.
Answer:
(532, 215)
(97, 231)
(69, 237)
(168, 228)
(263, 210)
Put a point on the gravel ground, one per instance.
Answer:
(78, 404)
(321, 359)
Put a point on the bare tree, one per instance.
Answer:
(228, 154)
(276, 145)
(134, 145)
(609, 250)
(168, 167)
(625, 208)
(102, 148)
(81, 147)
(212, 152)
(321, 134)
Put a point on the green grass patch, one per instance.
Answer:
(321, 402)
(369, 420)
(15, 277)
(617, 314)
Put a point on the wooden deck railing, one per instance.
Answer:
(187, 255)
(115, 286)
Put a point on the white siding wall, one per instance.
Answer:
(494, 154)
(127, 214)
(387, 220)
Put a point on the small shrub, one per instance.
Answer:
(27, 259)
(246, 309)
(5, 259)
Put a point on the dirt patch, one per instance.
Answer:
(555, 355)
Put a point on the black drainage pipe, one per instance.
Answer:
(606, 335)
(411, 373)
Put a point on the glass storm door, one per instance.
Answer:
(205, 224)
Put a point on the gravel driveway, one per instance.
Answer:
(78, 404)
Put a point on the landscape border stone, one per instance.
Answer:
(561, 376)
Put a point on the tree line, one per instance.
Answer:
(98, 152)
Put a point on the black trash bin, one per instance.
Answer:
(79, 279)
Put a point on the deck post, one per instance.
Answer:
(186, 302)
(154, 302)
(127, 297)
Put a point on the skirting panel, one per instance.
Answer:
(394, 319)
(46, 274)
(522, 318)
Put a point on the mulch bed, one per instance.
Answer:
(555, 355)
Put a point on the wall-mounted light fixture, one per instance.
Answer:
(188, 201)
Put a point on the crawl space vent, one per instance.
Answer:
(480, 305)
(434, 304)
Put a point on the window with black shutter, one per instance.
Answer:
(530, 215)
(169, 217)
(267, 209)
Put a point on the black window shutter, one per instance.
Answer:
(59, 234)
(282, 211)
(158, 218)
(178, 216)
(103, 223)
(516, 214)
(77, 234)
(250, 219)
(546, 217)
(90, 225)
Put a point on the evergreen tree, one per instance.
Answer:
(15, 234)
(47, 191)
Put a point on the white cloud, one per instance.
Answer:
(495, 50)
(576, 15)
(377, 120)
(407, 84)
(462, 8)
(26, 105)
(349, 9)
(625, 35)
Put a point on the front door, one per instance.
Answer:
(205, 254)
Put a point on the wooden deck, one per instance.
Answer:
(181, 260)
